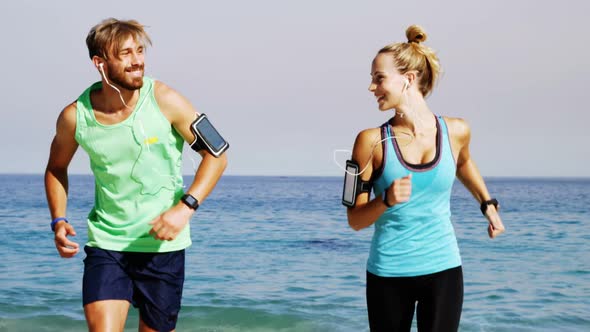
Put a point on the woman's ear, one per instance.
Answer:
(410, 77)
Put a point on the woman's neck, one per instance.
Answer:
(414, 115)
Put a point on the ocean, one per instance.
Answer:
(276, 254)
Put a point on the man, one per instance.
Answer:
(133, 129)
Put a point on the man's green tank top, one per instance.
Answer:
(136, 165)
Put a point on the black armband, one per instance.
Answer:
(207, 137)
(353, 185)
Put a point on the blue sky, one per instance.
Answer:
(286, 81)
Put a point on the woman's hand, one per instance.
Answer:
(399, 191)
(495, 225)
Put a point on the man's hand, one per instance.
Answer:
(65, 247)
(169, 224)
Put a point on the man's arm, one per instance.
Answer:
(179, 111)
(62, 150)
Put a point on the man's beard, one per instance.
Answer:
(119, 78)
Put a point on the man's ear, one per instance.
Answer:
(98, 62)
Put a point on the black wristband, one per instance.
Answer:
(385, 199)
(484, 205)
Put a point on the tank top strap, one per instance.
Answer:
(442, 124)
(447, 152)
(379, 182)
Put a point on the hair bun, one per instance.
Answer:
(415, 34)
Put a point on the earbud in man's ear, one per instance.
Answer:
(101, 70)
(406, 83)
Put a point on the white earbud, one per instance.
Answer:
(101, 66)
(406, 83)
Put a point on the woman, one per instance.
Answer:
(411, 162)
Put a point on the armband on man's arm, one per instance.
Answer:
(207, 137)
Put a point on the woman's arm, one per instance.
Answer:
(469, 175)
(369, 155)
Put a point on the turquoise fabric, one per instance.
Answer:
(416, 237)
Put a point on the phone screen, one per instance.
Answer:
(348, 197)
(210, 135)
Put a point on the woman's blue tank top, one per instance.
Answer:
(416, 237)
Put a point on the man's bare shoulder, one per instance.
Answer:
(67, 117)
(160, 88)
(166, 94)
(171, 102)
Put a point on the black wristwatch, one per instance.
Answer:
(485, 204)
(190, 201)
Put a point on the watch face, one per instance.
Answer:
(190, 201)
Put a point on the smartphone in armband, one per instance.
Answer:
(350, 183)
(353, 184)
(207, 137)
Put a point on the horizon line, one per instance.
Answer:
(572, 177)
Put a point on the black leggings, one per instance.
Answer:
(391, 301)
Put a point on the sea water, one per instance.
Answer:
(276, 254)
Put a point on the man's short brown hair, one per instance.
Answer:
(107, 37)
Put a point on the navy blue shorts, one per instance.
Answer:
(152, 282)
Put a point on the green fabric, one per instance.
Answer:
(136, 165)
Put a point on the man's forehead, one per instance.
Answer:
(129, 42)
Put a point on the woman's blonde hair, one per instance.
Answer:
(413, 56)
(107, 37)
